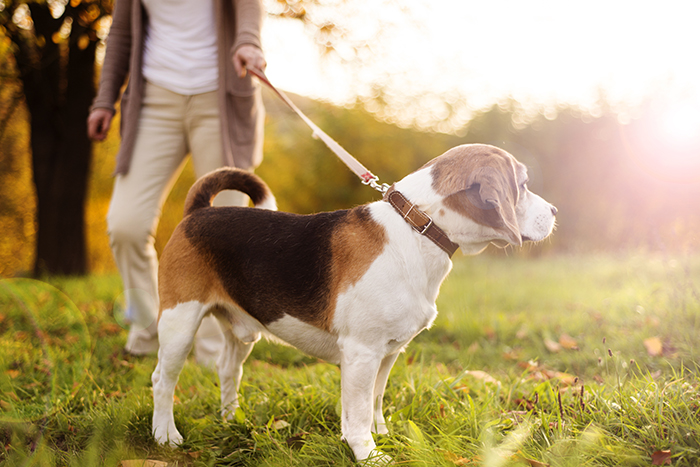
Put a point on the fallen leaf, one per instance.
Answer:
(530, 365)
(565, 378)
(143, 463)
(653, 321)
(483, 376)
(661, 457)
(12, 373)
(280, 424)
(654, 346)
(533, 462)
(568, 342)
(527, 404)
(463, 461)
(297, 441)
(552, 346)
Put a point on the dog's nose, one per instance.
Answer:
(554, 211)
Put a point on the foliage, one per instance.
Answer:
(608, 196)
(484, 386)
(53, 46)
(17, 203)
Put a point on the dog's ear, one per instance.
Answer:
(489, 188)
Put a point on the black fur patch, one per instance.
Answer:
(270, 262)
(225, 178)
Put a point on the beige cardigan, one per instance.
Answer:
(240, 103)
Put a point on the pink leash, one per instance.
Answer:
(367, 177)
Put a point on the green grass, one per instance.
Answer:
(531, 362)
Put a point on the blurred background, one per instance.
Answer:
(601, 100)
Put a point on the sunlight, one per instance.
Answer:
(678, 133)
(541, 53)
(666, 145)
(681, 124)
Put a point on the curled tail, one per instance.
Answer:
(228, 178)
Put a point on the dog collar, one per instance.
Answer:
(420, 221)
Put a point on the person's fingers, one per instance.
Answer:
(99, 122)
(248, 56)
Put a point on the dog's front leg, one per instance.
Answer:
(379, 425)
(358, 369)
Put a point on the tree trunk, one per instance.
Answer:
(59, 93)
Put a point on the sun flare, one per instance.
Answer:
(681, 124)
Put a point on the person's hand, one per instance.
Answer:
(99, 122)
(246, 56)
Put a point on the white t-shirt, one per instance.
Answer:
(181, 52)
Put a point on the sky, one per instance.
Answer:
(438, 61)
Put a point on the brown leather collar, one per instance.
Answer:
(420, 221)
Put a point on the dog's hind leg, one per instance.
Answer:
(230, 366)
(379, 425)
(176, 329)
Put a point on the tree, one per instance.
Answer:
(54, 47)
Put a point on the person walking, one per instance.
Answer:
(187, 92)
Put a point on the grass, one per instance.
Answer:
(561, 361)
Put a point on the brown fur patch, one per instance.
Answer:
(453, 169)
(356, 243)
(481, 182)
(184, 276)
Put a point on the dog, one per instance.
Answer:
(352, 287)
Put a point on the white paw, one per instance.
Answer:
(380, 429)
(367, 454)
(375, 459)
(229, 412)
(168, 435)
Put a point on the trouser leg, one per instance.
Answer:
(203, 130)
(135, 208)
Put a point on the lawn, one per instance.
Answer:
(561, 361)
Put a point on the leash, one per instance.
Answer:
(419, 220)
(367, 177)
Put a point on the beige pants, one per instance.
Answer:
(171, 126)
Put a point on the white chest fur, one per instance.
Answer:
(395, 299)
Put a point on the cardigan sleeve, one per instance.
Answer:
(117, 56)
(249, 16)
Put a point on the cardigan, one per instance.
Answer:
(241, 111)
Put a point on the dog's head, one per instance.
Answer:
(478, 195)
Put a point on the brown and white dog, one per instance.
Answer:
(351, 287)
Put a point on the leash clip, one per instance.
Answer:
(371, 180)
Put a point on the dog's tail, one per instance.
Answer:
(229, 178)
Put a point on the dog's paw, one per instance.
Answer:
(229, 414)
(168, 435)
(380, 429)
(376, 459)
